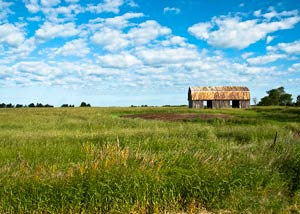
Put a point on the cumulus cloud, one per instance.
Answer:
(146, 32)
(32, 6)
(290, 48)
(76, 47)
(11, 35)
(171, 10)
(272, 13)
(71, 1)
(5, 9)
(50, 31)
(112, 6)
(123, 60)
(260, 60)
(227, 31)
(110, 39)
(117, 22)
(36, 67)
(269, 39)
(247, 55)
(115, 39)
(295, 68)
(161, 56)
(49, 3)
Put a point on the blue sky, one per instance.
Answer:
(134, 52)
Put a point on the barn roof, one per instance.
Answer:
(219, 93)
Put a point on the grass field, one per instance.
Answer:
(92, 160)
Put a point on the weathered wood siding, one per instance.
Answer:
(244, 103)
(196, 104)
(221, 104)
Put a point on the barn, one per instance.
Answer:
(219, 97)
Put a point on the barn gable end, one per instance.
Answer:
(219, 97)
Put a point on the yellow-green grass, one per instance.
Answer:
(91, 160)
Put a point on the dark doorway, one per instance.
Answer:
(209, 103)
(235, 104)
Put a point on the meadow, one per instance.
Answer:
(93, 160)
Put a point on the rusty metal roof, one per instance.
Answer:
(219, 93)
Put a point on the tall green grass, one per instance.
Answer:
(91, 160)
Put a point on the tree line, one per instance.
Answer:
(40, 105)
(278, 97)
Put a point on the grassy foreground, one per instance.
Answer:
(90, 160)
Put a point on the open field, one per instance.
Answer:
(94, 160)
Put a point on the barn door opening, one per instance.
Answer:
(235, 104)
(209, 103)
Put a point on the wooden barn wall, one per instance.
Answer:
(244, 103)
(221, 103)
(218, 104)
(196, 104)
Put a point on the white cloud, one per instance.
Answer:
(34, 19)
(49, 3)
(36, 67)
(131, 3)
(269, 39)
(71, 1)
(115, 40)
(161, 56)
(290, 48)
(226, 31)
(295, 68)
(5, 9)
(76, 47)
(247, 55)
(171, 10)
(107, 6)
(123, 60)
(146, 32)
(22, 50)
(260, 60)
(50, 31)
(110, 39)
(32, 5)
(118, 22)
(11, 35)
(274, 14)
(176, 41)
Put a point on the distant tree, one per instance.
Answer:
(9, 105)
(298, 101)
(48, 106)
(31, 105)
(19, 106)
(39, 105)
(276, 97)
(254, 99)
(64, 105)
(84, 104)
(2, 105)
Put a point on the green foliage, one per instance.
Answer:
(84, 104)
(90, 160)
(276, 97)
(298, 101)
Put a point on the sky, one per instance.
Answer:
(137, 52)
